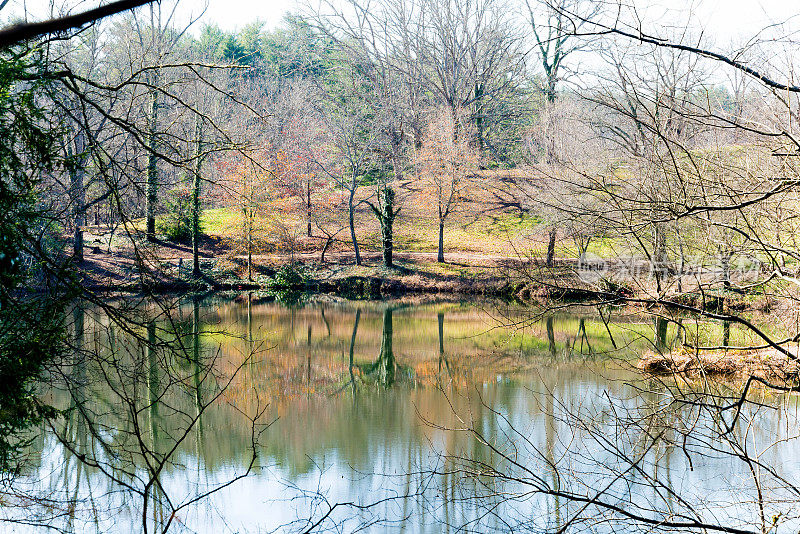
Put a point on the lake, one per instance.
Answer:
(242, 414)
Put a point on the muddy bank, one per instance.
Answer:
(364, 286)
(767, 364)
(478, 276)
(463, 275)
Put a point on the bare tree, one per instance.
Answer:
(447, 163)
(351, 123)
(554, 31)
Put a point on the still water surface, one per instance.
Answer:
(243, 415)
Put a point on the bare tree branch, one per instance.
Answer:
(19, 33)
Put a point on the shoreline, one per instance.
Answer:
(463, 274)
(759, 364)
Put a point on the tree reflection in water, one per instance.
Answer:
(452, 428)
(385, 368)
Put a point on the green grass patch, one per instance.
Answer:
(222, 221)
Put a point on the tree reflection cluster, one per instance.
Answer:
(336, 416)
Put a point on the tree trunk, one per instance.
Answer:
(196, 200)
(725, 261)
(78, 196)
(152, 170)
(440, 255)
(550, 150)
(77, 241)
(153, 389)
(551, 336)
(479, 115)
(387, 244)
(250, 254)
(660, 265)
(387, 225)
(198, 375)
(78, 316)
(351, 214)
(308, 206)
(661, 334)
(249, 237)
(386, 362)
(550, 138)
(551, 248)
(682, 266)
(440, 321)
(352, 347)
(726, 333)
(325, 248)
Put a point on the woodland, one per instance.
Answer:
(180, 201)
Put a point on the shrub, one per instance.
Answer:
(288, 276)
(176, 224)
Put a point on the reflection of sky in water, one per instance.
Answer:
(372, 446)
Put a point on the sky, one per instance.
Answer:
(722, 20)
(231, 14)
(726, 20)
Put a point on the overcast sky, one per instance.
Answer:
(723, 20)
